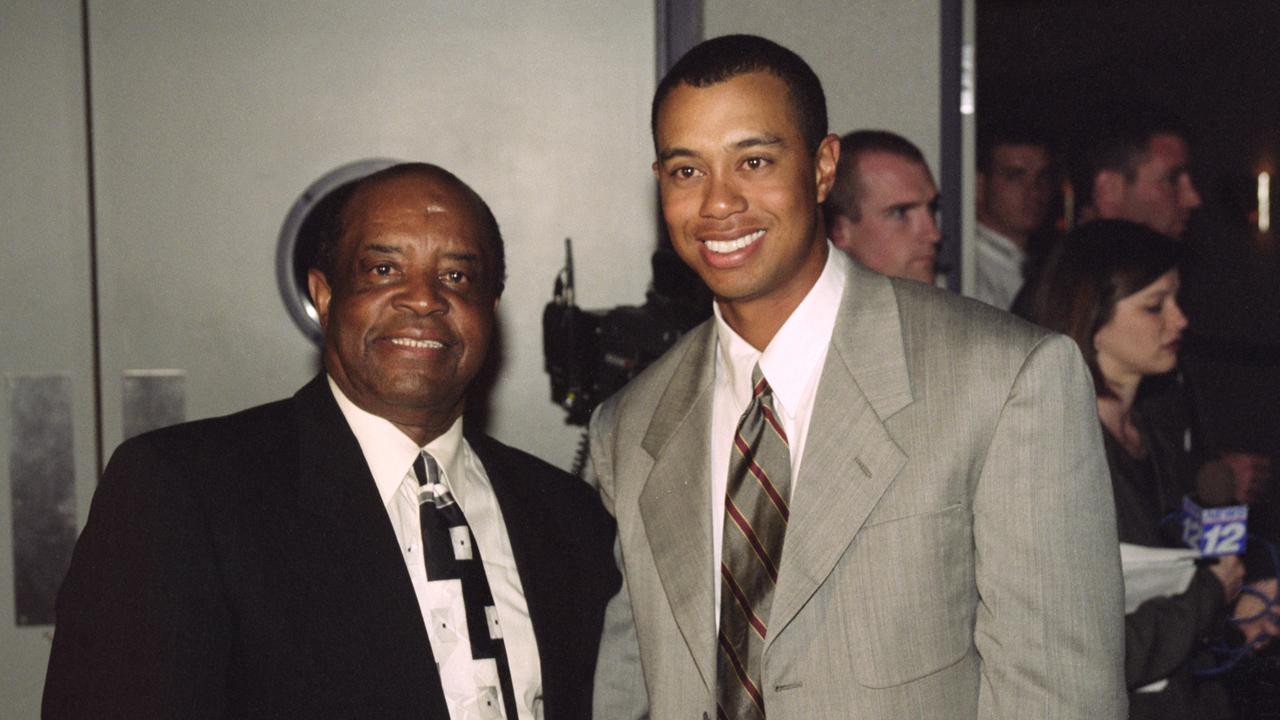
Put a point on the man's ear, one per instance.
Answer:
(1108, 193)
(318, 286)
(825, 164)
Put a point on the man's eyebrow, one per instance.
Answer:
(931, 204)
(743, 144)
(468, 257)
(757, 141)
(675, 152)
(384, 249)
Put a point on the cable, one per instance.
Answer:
(583, 454)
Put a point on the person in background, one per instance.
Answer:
(1136, 166)
(1113, 289)
(883, 208)
(1012, 190)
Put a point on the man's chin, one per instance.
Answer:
(422, 407)
(410, 391)
(923, 272)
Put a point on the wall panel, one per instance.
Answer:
(46, 358)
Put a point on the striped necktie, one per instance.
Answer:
(755, 524)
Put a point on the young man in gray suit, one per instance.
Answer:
(912, 517)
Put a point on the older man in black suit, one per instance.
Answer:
(347, 552)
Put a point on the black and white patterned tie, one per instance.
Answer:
(452, 553)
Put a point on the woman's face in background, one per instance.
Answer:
(1143, 334)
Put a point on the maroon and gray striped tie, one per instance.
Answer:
(755, 524)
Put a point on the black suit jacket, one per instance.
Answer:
(245, 567)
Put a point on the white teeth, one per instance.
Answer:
(422, 344)
(728, 246)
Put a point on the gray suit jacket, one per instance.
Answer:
(952, 547)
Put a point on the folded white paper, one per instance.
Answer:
(1151, 572)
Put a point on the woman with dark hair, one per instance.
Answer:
(1112, 287)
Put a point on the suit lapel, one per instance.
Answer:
(335, 483)
(675, 501)
(849, 458)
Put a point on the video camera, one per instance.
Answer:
(590, 354)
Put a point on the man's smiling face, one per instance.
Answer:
(408, 315)
(740, 190)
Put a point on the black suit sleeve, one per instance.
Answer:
(1162, 633)
(142, 626)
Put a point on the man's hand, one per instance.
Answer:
(1230, 572)
(1265, 626)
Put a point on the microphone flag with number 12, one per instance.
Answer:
(1214, 531)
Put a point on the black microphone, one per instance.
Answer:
(1212, 521)
(1216, 484)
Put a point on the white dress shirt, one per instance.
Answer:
(792, 363)
(389, 454)
(997, 268)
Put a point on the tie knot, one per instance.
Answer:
(425, 469)
(759, 386)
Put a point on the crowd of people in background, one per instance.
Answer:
(1106, 272)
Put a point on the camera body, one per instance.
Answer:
(591, 354)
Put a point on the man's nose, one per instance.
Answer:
(421, 296)
(1188, 196)
(929, 230)
(722, 197)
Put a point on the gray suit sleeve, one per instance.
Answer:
(619, 692)
(1050, 621)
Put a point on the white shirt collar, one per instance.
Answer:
(390, 453)
(1001, 243)
(791, 361)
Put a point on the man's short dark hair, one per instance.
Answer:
(1008, 131)
(719, 59)
(1120, 145)
(334, 208)
(847, 192)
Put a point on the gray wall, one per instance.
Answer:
(45, 327)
